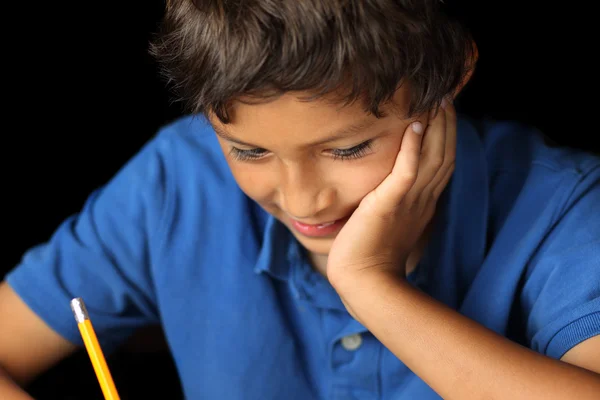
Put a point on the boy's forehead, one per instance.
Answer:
(314, 119)
(291, 119)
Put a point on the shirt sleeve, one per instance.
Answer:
(103, 254)
(561, 294)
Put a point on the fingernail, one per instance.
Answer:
(417, 127)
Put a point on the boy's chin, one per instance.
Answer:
(317, 246)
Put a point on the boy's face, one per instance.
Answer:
(309, 164)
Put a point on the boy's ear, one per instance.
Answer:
(471, 63)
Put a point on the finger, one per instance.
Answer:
(391, 191)
(432, 154)
(441, 179)
(439, 189)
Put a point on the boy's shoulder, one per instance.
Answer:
(518, 147)
(187, 152)
(187, 138)
(520, 174)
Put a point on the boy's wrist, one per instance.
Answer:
(356, 288)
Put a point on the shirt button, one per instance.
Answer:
(352, 342)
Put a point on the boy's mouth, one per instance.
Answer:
(318, 230)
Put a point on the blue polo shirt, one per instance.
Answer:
(171, 239)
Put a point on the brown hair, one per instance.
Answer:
(215, 51)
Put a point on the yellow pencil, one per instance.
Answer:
(93, 348)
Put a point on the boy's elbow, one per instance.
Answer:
(9, 389)
(28, 347)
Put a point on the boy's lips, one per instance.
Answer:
(318, 230)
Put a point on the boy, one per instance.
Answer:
(331, 229)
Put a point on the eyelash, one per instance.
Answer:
(245, 155)
(352, 153)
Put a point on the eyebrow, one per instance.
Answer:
(344, 132)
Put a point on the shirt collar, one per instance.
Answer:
(456, 252)
(276, 254)
(282, 258)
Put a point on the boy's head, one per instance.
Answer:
(310, 98)
(214, 52)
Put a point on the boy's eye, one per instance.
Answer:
(355, 152)
(246, 155)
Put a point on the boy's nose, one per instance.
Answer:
(304, 195)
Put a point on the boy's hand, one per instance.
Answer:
(381, 233)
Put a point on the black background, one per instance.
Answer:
(81, 96)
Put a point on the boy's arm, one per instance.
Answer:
(461, 359)
(28, 346)
(10, 390)
(586, 354)
(456, 356)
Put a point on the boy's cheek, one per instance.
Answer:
(258, 185)
(353, 184)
